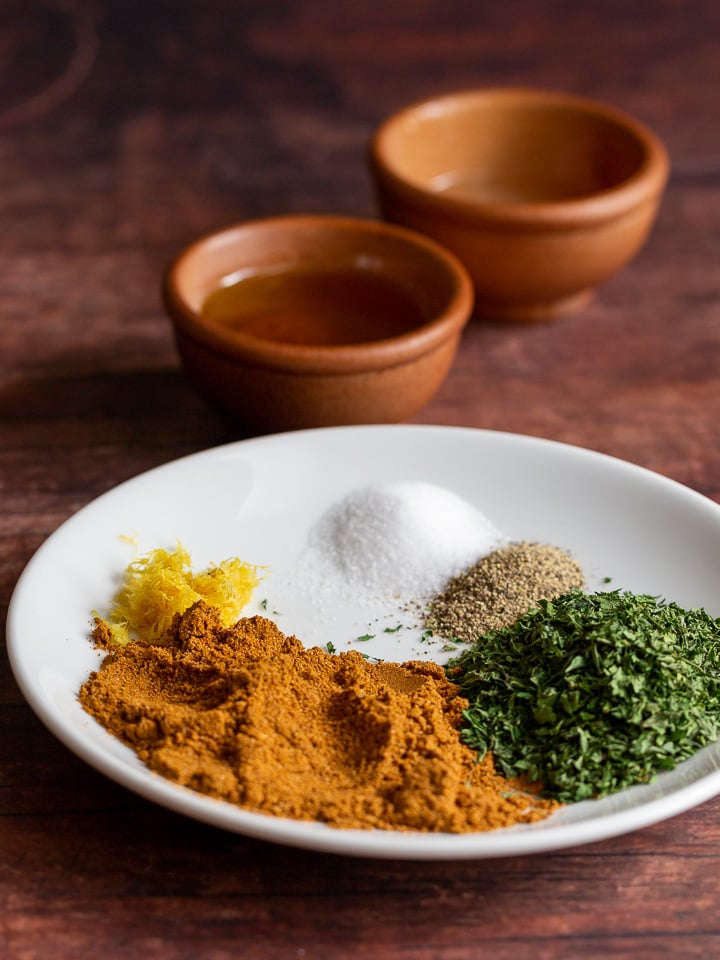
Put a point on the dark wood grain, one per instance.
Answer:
(128, 128)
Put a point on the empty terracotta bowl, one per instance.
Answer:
(542, 195)
(307, 321)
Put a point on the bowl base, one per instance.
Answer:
(546, 312)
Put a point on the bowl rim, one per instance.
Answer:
(646, 183)
(231, 343)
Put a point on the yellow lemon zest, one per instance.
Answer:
(161, 583)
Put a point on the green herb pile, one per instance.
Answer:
(592, 693)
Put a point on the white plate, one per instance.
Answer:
(258, 499)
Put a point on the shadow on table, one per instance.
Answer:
(152, 405)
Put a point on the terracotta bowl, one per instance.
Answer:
(542, 195)
(333, 377)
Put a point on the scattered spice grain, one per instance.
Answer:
(501, 587)
(248, 715)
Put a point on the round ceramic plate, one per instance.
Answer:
(258, 500)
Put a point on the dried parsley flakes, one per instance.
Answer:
(592, 693)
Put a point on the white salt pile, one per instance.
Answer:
(401, 539)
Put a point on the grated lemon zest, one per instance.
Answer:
(160, 584)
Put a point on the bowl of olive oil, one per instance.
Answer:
(306, 321)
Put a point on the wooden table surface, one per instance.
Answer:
(129, 127)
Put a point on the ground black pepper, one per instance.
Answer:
(501, 587)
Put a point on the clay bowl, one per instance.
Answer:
(542, 195)
(304, 367)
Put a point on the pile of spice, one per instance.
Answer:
(399, 539)
(592, 693)
(248, 715)
(501, 587)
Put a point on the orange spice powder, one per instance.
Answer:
(250, 716)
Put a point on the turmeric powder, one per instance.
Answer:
(250, 716)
